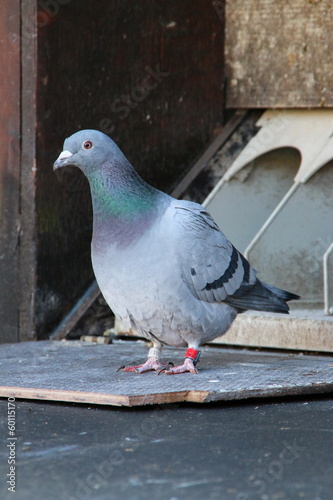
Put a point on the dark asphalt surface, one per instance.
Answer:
(258, 449)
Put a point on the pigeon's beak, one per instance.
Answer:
(63, 159)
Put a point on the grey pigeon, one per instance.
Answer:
(163, 265)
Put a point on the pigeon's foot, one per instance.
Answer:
(149, 365)
(191, 358)
(187, 366)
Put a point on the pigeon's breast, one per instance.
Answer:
(142, 284)
(144, 287)
(130, 276)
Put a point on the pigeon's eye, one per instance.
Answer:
(87, 144)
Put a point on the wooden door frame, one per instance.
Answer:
(18, 60)
(28, 260)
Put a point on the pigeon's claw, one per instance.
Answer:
(192, 357)
(187, 366)
(149, 365)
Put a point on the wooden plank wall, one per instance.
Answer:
(28, 243)
(148, 73)
(9, 169)
(279, 54)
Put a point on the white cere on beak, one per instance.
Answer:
(65, 154)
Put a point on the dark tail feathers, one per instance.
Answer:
(283, 294)
(263, 297)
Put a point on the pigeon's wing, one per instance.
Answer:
(213, 268)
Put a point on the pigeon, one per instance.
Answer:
(162, 264)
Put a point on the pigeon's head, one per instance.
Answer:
(88, 150)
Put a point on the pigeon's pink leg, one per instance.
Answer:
(191, 358)
(153, 363)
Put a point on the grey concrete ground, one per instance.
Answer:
(250, 450)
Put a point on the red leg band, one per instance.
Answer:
(193, 354)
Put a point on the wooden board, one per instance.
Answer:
(279, 54)
(86, 373)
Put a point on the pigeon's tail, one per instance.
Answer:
(263, 297)
(283, 294)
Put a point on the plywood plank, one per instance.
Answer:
(279, 54)
(86, 373)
